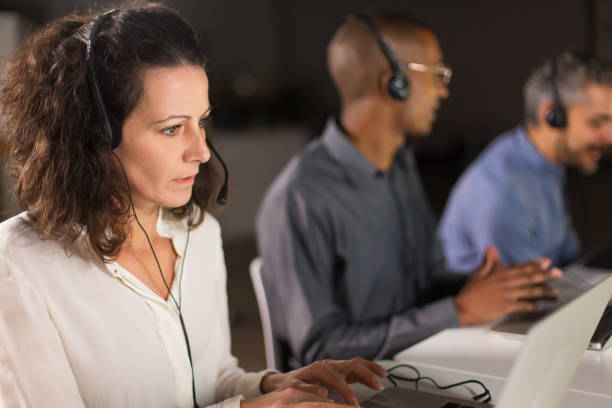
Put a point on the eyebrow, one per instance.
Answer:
(188, 117)
(601, 116)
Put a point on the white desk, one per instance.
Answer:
(477, 353)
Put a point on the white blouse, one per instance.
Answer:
(77, 332)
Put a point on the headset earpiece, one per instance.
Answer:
(112, 126)
(399, 86)
(556, 117)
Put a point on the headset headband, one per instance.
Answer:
(112, 128)
(367, 23)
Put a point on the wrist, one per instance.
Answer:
(462, 314)
(268, 382)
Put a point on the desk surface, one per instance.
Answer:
(478, 353)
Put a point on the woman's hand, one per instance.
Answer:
(318, 377)
(289, 398)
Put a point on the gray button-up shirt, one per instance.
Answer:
(351, 264)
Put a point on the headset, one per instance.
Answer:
(112, 127)
(113, 135)
(557, 116)
(399, 85)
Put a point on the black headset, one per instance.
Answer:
(399, 85)
(112, 133)
(557, 116)
(112, 127)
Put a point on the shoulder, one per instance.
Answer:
(495, 167)
(310, 172)
(492, 182)
(20, 238)
(15, 228)
(210, 227)
(26, 259)
(498, 155)
(207, 238)
(22, 247)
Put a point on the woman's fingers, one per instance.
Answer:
(315, 389)
(318, 377)
(289, 398)
(306, 399)
(377, 368)
(323, 372)
(363, 371)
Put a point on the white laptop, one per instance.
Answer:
(544, 368)
(577, 279)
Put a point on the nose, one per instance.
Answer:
(197, 150)
(443, 91)
(608, 136)
(605, 134)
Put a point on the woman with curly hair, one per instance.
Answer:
(112, 281)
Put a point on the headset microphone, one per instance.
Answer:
(112, 134)
(222, 196)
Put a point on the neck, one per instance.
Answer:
(147, 215)
(368, 127)
(545, 141)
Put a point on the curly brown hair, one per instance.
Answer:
(66, 177)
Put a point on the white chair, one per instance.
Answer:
(264, 313)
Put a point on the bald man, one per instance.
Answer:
(351, 264)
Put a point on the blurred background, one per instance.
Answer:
(271, 94)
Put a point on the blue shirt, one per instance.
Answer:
(513, 198)
(351, 262)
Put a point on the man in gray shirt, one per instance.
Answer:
(351, 263)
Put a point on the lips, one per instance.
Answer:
(434, 111)
(596, 152)
(185, 180)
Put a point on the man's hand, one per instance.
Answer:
(318, 377)
(496, 290)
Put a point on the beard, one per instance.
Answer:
(586, 159)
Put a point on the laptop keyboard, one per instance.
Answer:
(455, 405)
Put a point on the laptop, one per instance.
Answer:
(543, 369)
(577, 279)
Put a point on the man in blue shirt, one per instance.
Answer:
(513, 195)
(351, 262)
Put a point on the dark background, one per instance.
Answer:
(280, 45)
(267, 70)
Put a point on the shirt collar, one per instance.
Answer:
(354, 164)
(533, 157)
(169, 226)
(343, 151)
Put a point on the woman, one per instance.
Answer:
(112, 282)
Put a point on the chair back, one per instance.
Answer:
(264, 313)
